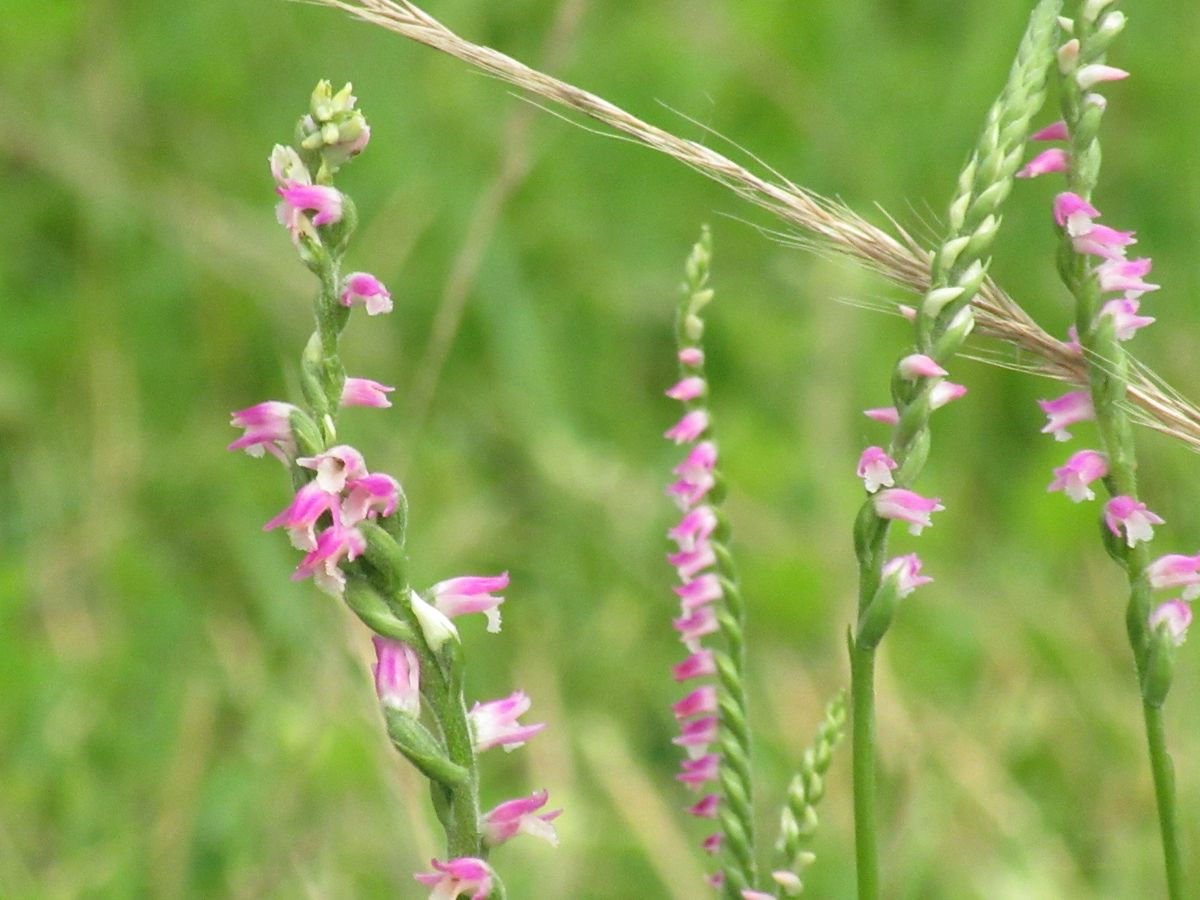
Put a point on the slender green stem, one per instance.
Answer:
(866, 849)
(1164, 793)
(1108, 382)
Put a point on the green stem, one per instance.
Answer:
(866, 849)
(1164, 793)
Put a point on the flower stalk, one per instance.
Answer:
(942, 323)
(352, 524)
(1093, 261)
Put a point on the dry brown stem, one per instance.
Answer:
(827, 223)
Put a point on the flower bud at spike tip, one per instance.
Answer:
(1080, 470)
(1133, 517)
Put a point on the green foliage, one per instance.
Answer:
(177, 719)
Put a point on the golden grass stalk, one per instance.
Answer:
(825, 223)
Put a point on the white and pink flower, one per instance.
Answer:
(1062, 412)
(363, 288)
(452, 879)
(875, 468)
(1126, 514)
(335, 467)
(397, 676)
(365, 392)
(907, 506)
(494, 724)
(689, 428)
(268, 428)
(520, 816)
(302, 514)
(1080, 470)
(471, 594)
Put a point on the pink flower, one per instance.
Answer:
(687, 389)
(702, 700)
(359, 287)
(748, 894)
(698, 665)
(907, 506)
(370, 496)
(1080, 470)
(365, 392)
(697, 771)
(1176, 570)
(457, 877)
(1173, 617)
(687, 494)
(701, 460)
(695, 625)
(1074, 213)
(1070, 408)
(267, 427)
(688, 562)
(1094, 74)
(712, 845)
(1055, 132)
(918, 365)
(696, 735)
(690, 427)
(520, 816)
(326, 202)
(944, 392)
(1053, 160)
(1125, 512)
(335, 467)
(888, 415)
(706, 808)
(302, 514)
(906, 572)
(494, 724)
(691, 356)
(397, 676)
(875, 468)
(699, 591)
(694, 528)
(1102, 241)
(1124, 313)
(1125, 275)
(471, 594)
(321, 563)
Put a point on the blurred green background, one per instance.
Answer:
(178, 719)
